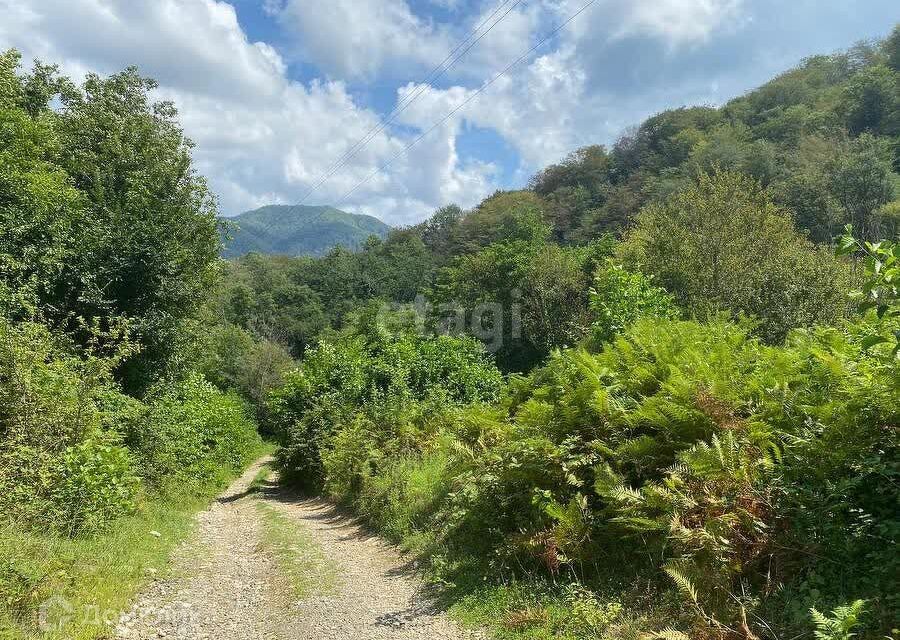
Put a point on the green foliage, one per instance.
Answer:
(234, 360)
(108, 246)
(60, 466)
(191, 435)
(522, 299)
(722, 245)
(692, 448)
(761, 134)
(619, 298)
(871, 101)
(505, 217)
(862, 181)
(841, 624)
(64, 423)
(881, 284)
(297, 231)
(93, 484)
(103, 218)
(357, 390)
(39, 209)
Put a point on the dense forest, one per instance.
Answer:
(653, 394)
(297, 231)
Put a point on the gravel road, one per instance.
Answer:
(225, 586)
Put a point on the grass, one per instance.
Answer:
(300, 562)
(259, 480)
(540, 610)
(85, 583)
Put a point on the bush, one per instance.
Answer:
(620, 297)
(368, 388)
(191, 435)
(60, 466)
(93, 484)
(722, 245)
(234, 360)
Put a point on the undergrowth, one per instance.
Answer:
(86, 582)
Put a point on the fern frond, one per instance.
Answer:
(683, 583)
(669, 634)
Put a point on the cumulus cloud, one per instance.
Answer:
(261, 137)
(356, 38)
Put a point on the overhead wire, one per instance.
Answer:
(446, 64)
(474, 95)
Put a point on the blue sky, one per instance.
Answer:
(274, 91)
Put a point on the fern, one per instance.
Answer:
(684, 583)
(840, 625)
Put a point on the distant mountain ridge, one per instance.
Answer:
(297, 230)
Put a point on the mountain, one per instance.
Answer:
(297, 230)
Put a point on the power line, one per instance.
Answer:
(465, 102)
(453, 57)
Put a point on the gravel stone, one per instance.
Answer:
(225, 587)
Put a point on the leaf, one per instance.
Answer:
(870, 341)
(683, 582)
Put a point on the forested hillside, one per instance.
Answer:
(697, 435)
(297, 231)
(652, 395)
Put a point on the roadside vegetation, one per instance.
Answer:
(652, 395)
(110, 436)
(684, 420)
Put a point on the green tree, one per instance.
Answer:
(554, 298)
(862, 181)
(871, 101)
(506, 216)
(151, 246)
(723, 245)
(892, 49)
(440, 231)
(40, 211)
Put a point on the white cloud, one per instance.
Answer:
(261, 138)
(548, 106)
(194, 45)
(356, 38)
(678, 22)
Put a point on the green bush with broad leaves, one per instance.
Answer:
(378, 375)
(191, 435)
(881, 286)
(620, 297)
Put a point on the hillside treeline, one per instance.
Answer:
(681, 421)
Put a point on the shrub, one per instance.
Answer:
(722, 245)
(368, 388)
(93, 484)
(59, 465)
(191, 435)
(619, 298)
(841, 624)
